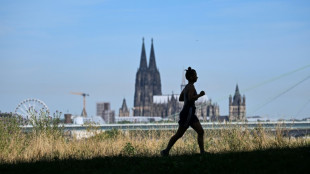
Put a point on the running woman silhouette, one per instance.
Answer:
(187, 115)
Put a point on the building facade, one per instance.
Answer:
(169, 105)
(237, 107)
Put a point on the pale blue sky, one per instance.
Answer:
(50, 48)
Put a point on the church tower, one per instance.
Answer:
(237, 109)
(147, 85)
(123, 111)
(141, 83)
(154, 73)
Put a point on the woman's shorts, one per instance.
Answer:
(187, 116)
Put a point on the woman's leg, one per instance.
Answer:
(175, 137)
(198, 128)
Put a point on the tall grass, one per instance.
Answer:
(47, 141)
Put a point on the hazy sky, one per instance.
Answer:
(50, 48)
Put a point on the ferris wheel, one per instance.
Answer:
(27, 106)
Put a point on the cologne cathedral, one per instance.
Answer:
(147, 85)
(149, 100)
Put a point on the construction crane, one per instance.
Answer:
(84, 114)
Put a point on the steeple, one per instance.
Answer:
(152, 65)
(123, 111)
(237, 96)
(124, 105)
(143, 64)
(237, 90)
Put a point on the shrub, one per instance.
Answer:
(128, 150)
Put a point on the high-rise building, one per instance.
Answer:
(99, 108)
(104, 110)
(237, 109)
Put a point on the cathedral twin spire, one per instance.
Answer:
(152, 65)
(143, 62)
(148, 83)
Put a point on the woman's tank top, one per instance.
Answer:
(186, 99)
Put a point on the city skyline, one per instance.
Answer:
(49, 49)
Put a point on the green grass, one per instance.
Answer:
(282, 160)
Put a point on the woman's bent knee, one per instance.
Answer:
(201, 133)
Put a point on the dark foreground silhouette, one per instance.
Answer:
(286, 160)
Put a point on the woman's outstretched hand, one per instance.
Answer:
(202, 93)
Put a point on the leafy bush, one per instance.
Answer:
(112, 134)
(128, 150)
